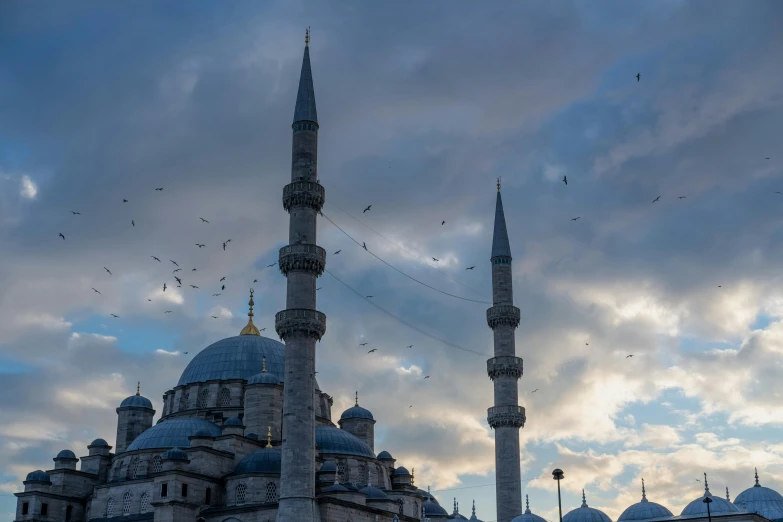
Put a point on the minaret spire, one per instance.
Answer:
(527, 500)
(644, 494)
(305, 96)
(757, 485)
(506, 417)
(138, 392)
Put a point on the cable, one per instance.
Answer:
(400, 271)
(409, 325)
(407, 251)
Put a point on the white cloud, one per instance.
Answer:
(27, 187)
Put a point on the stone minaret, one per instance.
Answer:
(300, 325)
(505, 369)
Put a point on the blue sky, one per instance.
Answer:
(421, 108)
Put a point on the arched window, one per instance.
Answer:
(225, 398)
(208, 496)
(157, 464)
(241, 489)
(400, 505)
(134, 468)
(110, 508)
(362, 475)
(203, 398)
(271, 493)
(145, 502)
(126, 502)
(341, 471)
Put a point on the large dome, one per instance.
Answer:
(334, 440)
(585, 513)
(235, 358)
(644, 510)
(172, 433)
(764, 501)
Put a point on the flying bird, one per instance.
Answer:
(228, 240)
(155, 258)
(97, 292)
(638, 77)
(184, 353)
(200, 245)
(177, 270)
(224, 245)
(318, 288)
(167, 312)
(262, 329)
(565, 180)
(107, 270)
(766, 158)
(720, 286)
(574, 219)
(534, 391)
(681, 197)
(222, 279)
(179, 281)
(124, 200)
(175, 263)
(442, 223)
(214, 317)
(133, 223)
(427, 377)
(193, 286)
(114, 315)
(61, 235)
(164, 287)
(150, 300)
(368, 297)
(193, 270)
(366, 209)
(160, 189)
(364, 245)
(656, 199)
(215, 295)
(364, 344)
(223, 287)
(273, 264)
(76, 213)
(410, 346)
(628, 356)
(204, 220)
(436, 260)
(337, 252)
(471, 267)
(373, 350)
(255, 280)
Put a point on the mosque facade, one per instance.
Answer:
(247, 434)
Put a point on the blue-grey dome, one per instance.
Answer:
(99, 443)
(66, 454)
(261, 461)
(431, 507)
(385, 455)
(329, 465)
(237, 357)
(203, 432)
(401, 471)
(585, 513)
(356, 412)
(336, 488)
(138, 401)
(374, 493)
(263, 378)
(527, 516)
(644, 510)
(233, 421)
(718, 506)
(334, 440)
(764, 501)
(252, 436)
(37, 476)
(172, 433)
(175, 454)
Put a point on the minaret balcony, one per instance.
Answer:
(300, 322)
(304, 194)
(503, 315)
(303, 257)
(506, 417)
(504, 366)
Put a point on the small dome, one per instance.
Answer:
(431, 507)
(356, 412)
(644, 510)
(718, 505)
(474, 518)
(172, 433)
(175, 454)
(37, 476)
(336, 441)
(263, 378)
(585, 513)
(252, 436)
(136, 401)
(759, 499)
(336, 488)
(261, 461)
(233, 421)
(329, 465)
(527, 516)
(66, 454)
(401, 471)
(202, 432)
(385, 455)
(374, 493)
(99, 443)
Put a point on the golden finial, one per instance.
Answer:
(263, 364)
(138, 388)
(250, 328)
(498, 183)
(307, 37)
(269, 436)
(357, 399)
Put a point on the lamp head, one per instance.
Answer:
(557, 474)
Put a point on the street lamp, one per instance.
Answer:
(558, 475)
(708, 501)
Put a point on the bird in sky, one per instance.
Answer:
(222, 278)
(177, 270)
(184, 353)
(214, 317)
(364, 245)
(565, 180)
(150, 300)
(638, 77)
(175, 263)
(318, 288)
(766, 158)
(204, 220)
(681, 197)
(442, 223)
(167, 312)
(534, 391)
(215, 295)
(720, 286)
(471, 267)
(364, 344)
(262, 329)
(133, 223)
(159, 189)
(410, 346)
(224, 245)
(255, 280)
(656, 199)
(574, 219)
(193, 286)
(427, 377)
(61, 235)
(192, 269)
(114, 315)
(411, 406)
(179, 281)
(337, 252)
(435, 259)
(107, 270)
(223, 287)
(97, 292)
(124, 200)
(155, 258)
(373, 350)
(587, 344)
(778, 192)
(366, 209)
(273, 264)
(628, 356)
(368, 297)
(76, 213)
(200, 245)
(164, 287)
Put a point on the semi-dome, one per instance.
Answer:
(37, 476)
(762, 500)
(585, 513)
(66, 454)
(175, 454)
(385, 455)
(261, 461)
(172, 433)
(401, 471)
(644, 510)
(718, 506)
(137, 401)
(233, 421)
(431, 507)
(99, 443)
(527, 516)
(334, 440)
(374, 493)
(237, 357)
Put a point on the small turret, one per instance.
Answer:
(134, 416)
(359, 422)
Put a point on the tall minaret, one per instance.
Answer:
(505, 369)
(300, 325)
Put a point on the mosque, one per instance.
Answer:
(247, 435)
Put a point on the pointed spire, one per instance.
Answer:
(644, 493)
(357, 399)
(305, 96)
(474, 509)
(584, 499)
(706, 487)
(500, 244)
(138, 392)
(757, 485)
(455, 506)
(269, 436)
(458, 507)
(250, 328)
(412, 470)
(727, 494)
(263, 364)
(527, 500)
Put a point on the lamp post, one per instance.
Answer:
(708, 501)
(558, 475)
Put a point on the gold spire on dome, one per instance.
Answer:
(307, 37)
(250, 328)
(269, 436)
(357, 399)
(138, 388)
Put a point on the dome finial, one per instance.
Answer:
(644, 493)
(269, 436)
(250, 328)
(727, 494)
(757, 485)
(263, 364)
(498, 183)
(357, 399)
(455, 506)
(412, 470)
(527, 504)
(474, 508)
(307, 37)
(138, 392)
(584, 499)
(706, 486)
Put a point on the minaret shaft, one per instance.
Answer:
(505, 369)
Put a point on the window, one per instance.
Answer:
(25, 508)
(225, 398)
(203, 398)
(208, 496)
(145, 502)
(135, 468)
(126, 501)
(399, 506)
(110, 508)
(341, 471)
(271, 492)
(241, 493)
(44, 509)
(157, 464)
(184, 490)
(164, 490)
(68, 513)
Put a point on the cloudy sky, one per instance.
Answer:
(421, 106)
